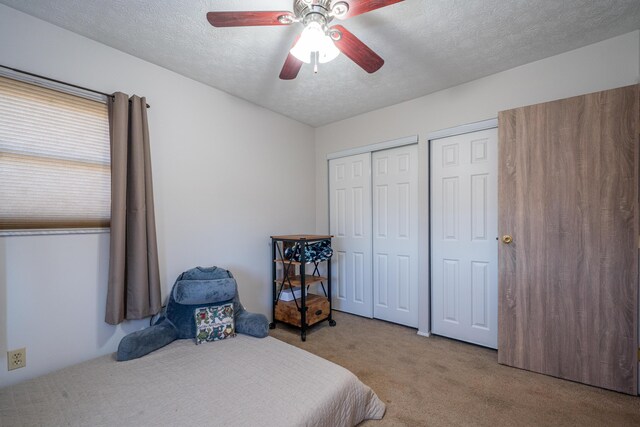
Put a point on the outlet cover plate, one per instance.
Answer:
(16, 359)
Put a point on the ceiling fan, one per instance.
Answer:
(318, 43)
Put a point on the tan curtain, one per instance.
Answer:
(134, 283)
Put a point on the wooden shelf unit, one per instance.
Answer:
(308, 309)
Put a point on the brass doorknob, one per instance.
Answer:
(507, 239)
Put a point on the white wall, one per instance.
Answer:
(220, 168)
(605, 65)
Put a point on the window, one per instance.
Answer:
(54, 159)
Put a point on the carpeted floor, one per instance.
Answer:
(436, 381)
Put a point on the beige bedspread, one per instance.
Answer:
(242, 381)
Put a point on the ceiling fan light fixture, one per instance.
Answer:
(318, 43)
(314, 39)
(328, 50)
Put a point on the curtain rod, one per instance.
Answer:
(60, 82)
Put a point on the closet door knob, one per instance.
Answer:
(507, 239)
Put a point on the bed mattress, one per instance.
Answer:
(242, 381)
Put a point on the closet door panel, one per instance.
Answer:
(350, 224)
(464, 223)
(395, 236)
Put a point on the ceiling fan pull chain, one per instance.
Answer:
(315, 62)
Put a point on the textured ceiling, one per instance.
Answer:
(427, 45)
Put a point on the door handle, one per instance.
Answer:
(507, 239)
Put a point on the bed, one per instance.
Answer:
(241, 381)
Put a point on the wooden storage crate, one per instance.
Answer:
(317, 310)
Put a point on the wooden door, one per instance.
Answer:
(350, 224)
(568, 282)
(464, 226)
(395, 235)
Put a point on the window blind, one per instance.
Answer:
(54, 159)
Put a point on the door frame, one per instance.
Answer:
(425, 220)
(370, 148)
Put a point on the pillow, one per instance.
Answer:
(214, 323)
(203, 292)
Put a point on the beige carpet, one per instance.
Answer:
(436, 381)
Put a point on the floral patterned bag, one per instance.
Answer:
(319, 251)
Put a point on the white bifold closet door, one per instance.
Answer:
(374, 221)
(395, 235)
(464, 230)
(350, 224)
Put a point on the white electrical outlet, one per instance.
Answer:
(16, 358)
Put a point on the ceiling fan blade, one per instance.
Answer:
(358, 7)
(357, 51)
(247, 19)
(291, 65)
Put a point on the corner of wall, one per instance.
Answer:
(322, 226)
(3, 305)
